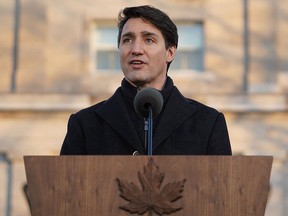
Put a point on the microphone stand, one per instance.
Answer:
(146, 135)
(150, 132)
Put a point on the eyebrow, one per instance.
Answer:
(147, 33)
(144, 33)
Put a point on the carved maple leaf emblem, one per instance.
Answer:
(151, 198)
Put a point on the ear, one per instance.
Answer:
(170, 53)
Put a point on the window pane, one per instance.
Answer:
(186, 60)
(190, 35)
(195, 60)
(106, 35)
(107, 60)
(176, 62)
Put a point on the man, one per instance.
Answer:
(147, 42)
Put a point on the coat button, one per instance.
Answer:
(135, 153)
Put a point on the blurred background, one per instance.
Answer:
(57, 57)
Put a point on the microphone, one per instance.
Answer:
(148, 97)
(148, 101)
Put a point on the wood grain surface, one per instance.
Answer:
(87, 185)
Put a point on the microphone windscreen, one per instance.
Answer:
(146, 97)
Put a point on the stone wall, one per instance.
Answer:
(54, 44)
(54, 80)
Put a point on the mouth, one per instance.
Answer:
(136, 62)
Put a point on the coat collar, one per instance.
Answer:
(175, 111)
(114, 112)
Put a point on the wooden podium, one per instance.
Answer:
(142, 185)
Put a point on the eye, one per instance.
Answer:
(149, 40)
(126, 40)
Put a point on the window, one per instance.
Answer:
(104, 51)
(189, 56)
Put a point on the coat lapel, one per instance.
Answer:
(115, 114)
(175, 112)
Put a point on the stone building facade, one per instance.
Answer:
(47, 72)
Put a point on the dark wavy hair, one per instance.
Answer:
(154, 16)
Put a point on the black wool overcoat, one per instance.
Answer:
(185, 127)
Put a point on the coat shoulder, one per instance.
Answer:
(89, 110)
(202, 108)
(102, 106)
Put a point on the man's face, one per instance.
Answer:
(143, 54)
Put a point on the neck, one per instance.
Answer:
(159, 86)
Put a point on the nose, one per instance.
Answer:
(137, 48)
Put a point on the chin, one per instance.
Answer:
(137, 82)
